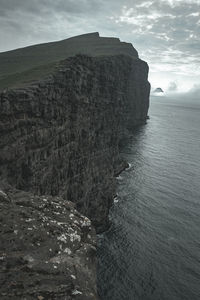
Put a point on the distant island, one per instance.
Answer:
(158, 90)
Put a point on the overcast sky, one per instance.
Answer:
(166, 33)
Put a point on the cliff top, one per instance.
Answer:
(27, 64)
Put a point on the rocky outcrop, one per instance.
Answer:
(60, 136)
(158, 91)
(47, 249)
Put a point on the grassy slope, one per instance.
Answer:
(21, 66)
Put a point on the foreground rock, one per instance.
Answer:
(47, 249)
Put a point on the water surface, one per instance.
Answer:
(152, 250)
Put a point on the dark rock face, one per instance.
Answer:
(158, 90)
(47, 249)
(59, 145)
(60, 136)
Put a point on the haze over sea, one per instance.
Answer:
(152, 249)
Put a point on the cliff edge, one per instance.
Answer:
(64, 107)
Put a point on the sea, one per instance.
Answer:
(152, 249)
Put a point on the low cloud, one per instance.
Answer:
(172, 86)
(194, 93)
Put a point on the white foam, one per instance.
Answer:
(116, 200)
(129, 166)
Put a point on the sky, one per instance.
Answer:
(166, 33)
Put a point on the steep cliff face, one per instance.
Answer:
(62, 117)
(60, 136)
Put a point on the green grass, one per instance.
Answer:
(25, 78)
(21, 66)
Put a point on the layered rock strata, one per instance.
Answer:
(60, 136)
(60, 133)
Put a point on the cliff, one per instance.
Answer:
(62, 118)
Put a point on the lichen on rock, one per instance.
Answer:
(45, 255)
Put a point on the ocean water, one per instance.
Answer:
(152, 249)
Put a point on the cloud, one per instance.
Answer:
(194, 92)
(165, 32)
(172, 86)
(171, 29)
(192, 95)
(28, 22)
